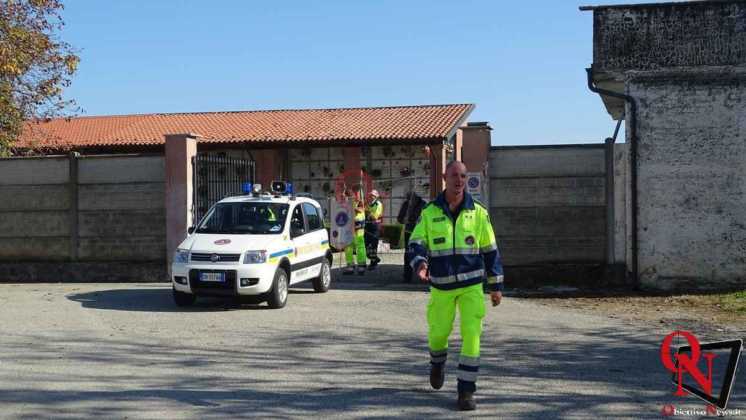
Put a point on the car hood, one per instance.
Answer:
(234, 244)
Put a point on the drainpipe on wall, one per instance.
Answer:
(633, 164)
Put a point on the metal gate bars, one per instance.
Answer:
(216, 177)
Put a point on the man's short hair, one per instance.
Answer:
(453, 162)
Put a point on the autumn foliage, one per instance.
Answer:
(35, 66)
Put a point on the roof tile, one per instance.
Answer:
(333, 125)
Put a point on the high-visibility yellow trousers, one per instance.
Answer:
(358, 247)
(441, 312)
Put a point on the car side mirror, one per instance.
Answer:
(190, 230)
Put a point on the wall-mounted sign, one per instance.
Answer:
(474, 185)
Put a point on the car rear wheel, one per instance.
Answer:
(278, 295)
(322, 282)
(183, 299)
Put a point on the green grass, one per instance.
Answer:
(734, 302)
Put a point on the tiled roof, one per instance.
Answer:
(335, 126)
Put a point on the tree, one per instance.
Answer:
(35, 66)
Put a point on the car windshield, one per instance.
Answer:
(245, 218)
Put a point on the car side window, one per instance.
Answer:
(313, 216)
(297, 225)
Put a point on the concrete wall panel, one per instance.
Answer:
(36, 197)
(35, 249)
(551, 222)
(542, 192)
(526, 250)
(30, 224)
(121, 169)
(31, 171)
(548, 204)
(131, 248)
(513, 162)
(120, 224)
(137, 196)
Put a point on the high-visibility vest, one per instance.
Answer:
(359, 209)
(375, 211)
(459, 252)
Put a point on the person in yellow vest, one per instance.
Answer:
(373, 219)
(454, 249)
(358, 244)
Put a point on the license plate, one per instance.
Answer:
(216, 277)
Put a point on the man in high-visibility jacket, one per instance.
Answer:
(358, 243)
(373, 219)
(454, 248)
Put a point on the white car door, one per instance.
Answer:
(299, 234)
(318, 237)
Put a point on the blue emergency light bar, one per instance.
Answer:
(247, 187)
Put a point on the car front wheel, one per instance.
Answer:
(322, 282)
(278, 296)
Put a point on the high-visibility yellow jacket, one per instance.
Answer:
(359, 209)
(459, 252)
(374, 211)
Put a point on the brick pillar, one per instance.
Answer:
(352, 164)
(437, 168)
(180, 148)
(475, 139)
(268, 166)
(458, 146)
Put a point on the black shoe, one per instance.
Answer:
(361, 271)
(348, 271)
(466, 401)
(372, 265)
(437, 375)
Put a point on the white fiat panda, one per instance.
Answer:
(254, 247)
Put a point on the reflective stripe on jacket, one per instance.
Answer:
(459, 253)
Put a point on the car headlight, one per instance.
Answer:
(255, 257)
(181, 256)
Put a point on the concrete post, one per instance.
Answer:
(610, 218)
(180, 149)
(74, 216)
(437, 168)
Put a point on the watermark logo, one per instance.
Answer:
(687, 363)
(669, 410)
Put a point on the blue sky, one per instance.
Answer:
(521, 63)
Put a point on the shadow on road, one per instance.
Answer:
(291, 374)
(152, 299)
(157, 297)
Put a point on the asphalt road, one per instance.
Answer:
(359, 351)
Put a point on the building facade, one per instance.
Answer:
(676, 74)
